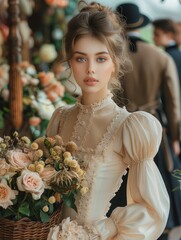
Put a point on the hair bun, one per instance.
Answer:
(93, 6)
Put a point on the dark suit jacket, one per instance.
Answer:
(153, 75)
(175, 53)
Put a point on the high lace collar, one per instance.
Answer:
(94, 106)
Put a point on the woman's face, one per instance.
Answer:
(92, 65)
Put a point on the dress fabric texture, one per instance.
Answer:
(110, 139)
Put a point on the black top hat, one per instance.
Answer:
(134, 19)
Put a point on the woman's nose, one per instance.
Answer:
(90, 68)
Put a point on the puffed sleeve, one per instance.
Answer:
(147, 209)
(146, 214)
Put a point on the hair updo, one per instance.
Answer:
(105, 25)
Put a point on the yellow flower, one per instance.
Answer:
(39, 153)
(3, 145)
(57, 149)
(52, 200)
(7, 138)
(42, 163)
(53, 152)
(45, 208)
(67, 161)
(15, 134)
(73, 163)
(67, 154)
(39, 168)
(57, 158)
(26, 140)
(32, 167)
(34, 146)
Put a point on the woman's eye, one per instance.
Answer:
(101, 59)
(80, 59)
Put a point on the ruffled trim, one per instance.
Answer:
(95, 106)
(70, 230)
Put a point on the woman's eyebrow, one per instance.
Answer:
(82, 53)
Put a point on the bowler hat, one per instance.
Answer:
(134, 19)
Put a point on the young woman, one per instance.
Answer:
(110, 139)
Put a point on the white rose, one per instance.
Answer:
(47, 53)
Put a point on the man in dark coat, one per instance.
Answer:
(164, 36)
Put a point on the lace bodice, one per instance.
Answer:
(110, 139)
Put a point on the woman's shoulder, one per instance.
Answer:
(62, 109)
(58, 114)
(138, 117)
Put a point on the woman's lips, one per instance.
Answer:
(90, 81)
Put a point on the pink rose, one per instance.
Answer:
(31, 182)
(6, 194)
(47, 173)
(19, 159)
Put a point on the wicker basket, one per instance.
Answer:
(25, 229)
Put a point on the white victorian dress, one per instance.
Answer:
(110, 140)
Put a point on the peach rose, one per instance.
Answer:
(52, 96)
(34, 121)
(19, 159)
(45, 78)
(31, 182)
(6, 194)
(47, 173)
(4, 167)
(57, 88)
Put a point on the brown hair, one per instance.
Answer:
(166, 25)
(102, 23)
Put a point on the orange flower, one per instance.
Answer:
(6, 194)
(59, 3)
(34, 121)
(45, 78)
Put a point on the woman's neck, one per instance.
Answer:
(91, 98)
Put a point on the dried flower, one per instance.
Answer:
(71, 147)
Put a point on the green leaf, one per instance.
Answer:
(51, 208)
(47, 143)
(44, 216)
(1, 120)
(24, 209)
(69, 200)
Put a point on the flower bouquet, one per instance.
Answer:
(35, 179)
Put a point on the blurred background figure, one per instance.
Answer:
(165, 34)
(178, 33)
(153, 86)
